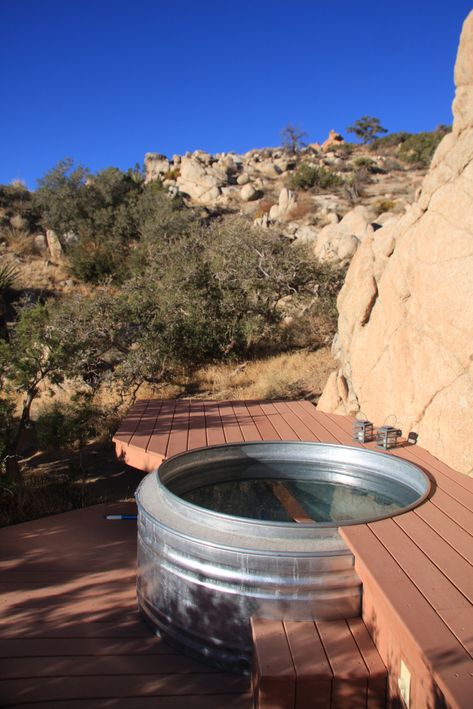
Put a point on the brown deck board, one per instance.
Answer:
(449, 529)
(282, 427)
(197, 437)
(70, 632)
(419, 622)
(434, 586)
(87, 665)
(222, 701)
(305, 412)
(159, 438)
(248, 428)
(45, 689)
(231, 428)
(179, 433)
(457, 569)
(345, 662)
(457, 512)
(213, 424)
(274, 676)
(143, 432)
(266, 429)
(304, 433)
(129, 425)
(417, 571)
(377, 674)
(313, 671)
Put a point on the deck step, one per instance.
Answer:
(316, 665)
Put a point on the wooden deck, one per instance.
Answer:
(416, 568)
(70, 633)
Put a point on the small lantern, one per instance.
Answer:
(386, 437)
(362, 431)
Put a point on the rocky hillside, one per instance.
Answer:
(404, 341)
(330, 195)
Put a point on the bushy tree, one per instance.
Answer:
(367, 129)
(210, 294)
(56, 341)
(61, 197)
(94, 215)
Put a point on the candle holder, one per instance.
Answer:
(386, 437)
(362, 431)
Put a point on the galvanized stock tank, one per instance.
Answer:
(227, 532)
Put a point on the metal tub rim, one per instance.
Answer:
(382, 464)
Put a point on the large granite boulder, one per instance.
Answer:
(286, 203)
(405, 332)
(338, 242)
(156, 166)
(200, 179)
(334, 139)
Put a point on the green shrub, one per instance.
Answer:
(419, 148)
(414, 148)
(354, 185)
(308, 177)
(8, 275)
(342, 150)
(383, 205)
(366, 163)
(98, 263)
(393, 140)
(60, 426)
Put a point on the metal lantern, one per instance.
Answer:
(386, 437)
(362, 431)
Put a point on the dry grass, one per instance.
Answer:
(38, 273)
(19, 241)
(264, 207)
(301, 209)
(287, 376)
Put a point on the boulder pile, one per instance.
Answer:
(259, 184)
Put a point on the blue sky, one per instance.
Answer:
(104, 81)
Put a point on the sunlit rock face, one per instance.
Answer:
(405, 332)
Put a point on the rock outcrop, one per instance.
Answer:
(405, 333)
(338, 242)
(333, 140)
(54, 245)
(260, 184)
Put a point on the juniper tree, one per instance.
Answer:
(367, 129)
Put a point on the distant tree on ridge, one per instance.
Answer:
(293, 138)
(367, 129)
